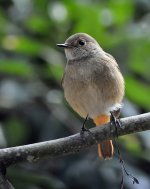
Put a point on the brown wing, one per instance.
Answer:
(111, 57)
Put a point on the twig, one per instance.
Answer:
(123, 168)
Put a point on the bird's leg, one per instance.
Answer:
(84, 129)
(115, 118)
(115, 121)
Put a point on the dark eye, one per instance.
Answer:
(81, 42)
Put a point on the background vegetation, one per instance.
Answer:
(32, 106)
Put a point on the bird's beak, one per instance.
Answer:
(65, 45)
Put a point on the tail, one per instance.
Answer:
(105, 149)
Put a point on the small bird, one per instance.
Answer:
(93, 84)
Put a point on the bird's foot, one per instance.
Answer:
(84, 129)
(115, 121)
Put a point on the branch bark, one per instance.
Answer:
(75, 143)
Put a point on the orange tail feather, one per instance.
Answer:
(105, 149)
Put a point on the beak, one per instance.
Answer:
(65, 45)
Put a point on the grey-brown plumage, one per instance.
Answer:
(92, 82)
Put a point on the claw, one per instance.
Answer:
(84, 129)
(115, 121)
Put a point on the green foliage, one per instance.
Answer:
(57, 71)
(138, 92)
(16, 68)
(15, 131)
(38, 24)
(131, 143)
(139, 61)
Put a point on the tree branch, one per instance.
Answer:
(75, 143)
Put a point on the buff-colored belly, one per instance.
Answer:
(88, 100)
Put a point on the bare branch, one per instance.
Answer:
(73, 144)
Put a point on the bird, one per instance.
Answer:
(92, 82)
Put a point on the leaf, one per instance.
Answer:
(21, 44)
(122, 11)
(138, 92)
(16, 67)
(20, 129)
(56, 71)
(28, 46)
(139, 60)
(38, 24)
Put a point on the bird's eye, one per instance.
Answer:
(81, 42)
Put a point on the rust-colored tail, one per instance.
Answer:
(105, 149)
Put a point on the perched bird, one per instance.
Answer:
(93, 84)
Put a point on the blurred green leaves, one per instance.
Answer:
(57, 71)
(105, 21)
(27, 46)
(21, 44)
(139, 58)
(38, 24)
(16, 131)
(138, 92)
(122, 11)
(132, 143)
(16, 68)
